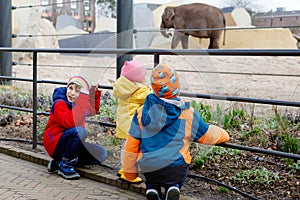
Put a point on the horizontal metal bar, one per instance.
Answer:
(151, 30)
(236, 73)
(102, 123)
(66, 66)
(47, 114)
(16, 108)
(22, 109)
(64, 83)
(219, 52)
(222, 184)
(147, 30)
(48, 81)
(15, 78)
(258, 150)
(89, 121)
(211, 29)
(241, 99)
(19, 140)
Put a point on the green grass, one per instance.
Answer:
(213, 154)
(256, 176)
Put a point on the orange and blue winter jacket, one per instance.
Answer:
(161, 133)
(65, 115)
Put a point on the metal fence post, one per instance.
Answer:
(5, 38)
(34, 99)
(156, 59)
(124, 31)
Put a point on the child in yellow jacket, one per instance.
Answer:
(131, 94)
(160, 135)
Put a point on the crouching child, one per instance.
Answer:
(65, 133)
(160, 135)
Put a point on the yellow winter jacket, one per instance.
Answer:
(130, 96)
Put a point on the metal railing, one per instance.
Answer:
(156, 56)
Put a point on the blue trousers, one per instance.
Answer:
(72, 145)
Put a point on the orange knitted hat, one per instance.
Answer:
(165, 81)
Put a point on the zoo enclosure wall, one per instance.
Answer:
(156, 56)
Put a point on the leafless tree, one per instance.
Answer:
(250, 5)
(107, 8)
(53, 17)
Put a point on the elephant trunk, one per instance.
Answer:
(163, 30)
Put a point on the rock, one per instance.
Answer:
(28, 22)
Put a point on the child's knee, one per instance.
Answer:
(81, 132)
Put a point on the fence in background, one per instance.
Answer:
(156, 56)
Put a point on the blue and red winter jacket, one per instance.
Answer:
(65, 115)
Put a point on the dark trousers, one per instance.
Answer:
(72, 145)
(166, 178)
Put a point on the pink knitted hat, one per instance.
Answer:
(134, 71)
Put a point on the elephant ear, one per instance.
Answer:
(169, 13)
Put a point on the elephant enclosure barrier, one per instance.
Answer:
(156, 53)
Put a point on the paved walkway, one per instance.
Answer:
(22, 180)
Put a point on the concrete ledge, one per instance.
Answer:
(96, 175)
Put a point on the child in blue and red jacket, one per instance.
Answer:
(160, 135)
(65, 133)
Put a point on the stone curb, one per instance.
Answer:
(103, 177)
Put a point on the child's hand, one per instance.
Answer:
(97, 86)
(94, 88)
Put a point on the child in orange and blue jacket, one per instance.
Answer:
(160, 135)
(65, 133)
(131, 94)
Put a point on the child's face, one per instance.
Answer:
(73, 92)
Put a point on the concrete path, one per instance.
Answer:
(22, 180)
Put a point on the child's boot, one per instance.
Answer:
(152, 194)
(66, 169)
(52, 166)
(123, 178)
(173, 193)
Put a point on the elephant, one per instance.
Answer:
(193, 16)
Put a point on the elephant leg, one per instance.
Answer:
(176, 39)
(214, 43)
(185, 41)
